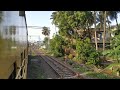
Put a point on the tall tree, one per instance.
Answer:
(46, 32)
(45, 42)
(95, 30)
(104, 33)
(113, 16)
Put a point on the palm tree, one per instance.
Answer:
(46, 32)
(95, 30)
(104, 33)
(54, 17)
(109, 28)
(102, 24)
(100, 21)
(113, 16)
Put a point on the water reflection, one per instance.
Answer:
(0, 21)
(12, 30)
(1, 14)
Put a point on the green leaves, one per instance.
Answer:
(56, 45)
(72, 20)
(45, 31)
(114, 52)
(45, 42)
(86, 52)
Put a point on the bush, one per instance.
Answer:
(87, 53)
(70, 62)
(70, 56)
(94, 58)
(56, 46)
(114, 52)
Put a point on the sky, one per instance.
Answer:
(41, 19)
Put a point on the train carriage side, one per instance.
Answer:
(13, 44)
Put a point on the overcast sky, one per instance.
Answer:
(42, 18)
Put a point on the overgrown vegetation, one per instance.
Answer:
(114, 52)
(56, 46)
(87, 53)
(78, 42)
(45, 43)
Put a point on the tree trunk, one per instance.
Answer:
(104, 33)
(95, 30)
(48, 46)
(89, 32)
(109, 27)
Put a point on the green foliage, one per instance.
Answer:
(70, 62)
(94, 58)
(80, 68)
(70, 21)
(70, 56)
(45, 31)
(112, 65)
(87, 53)
(100, 75)
(56, 45)
(45, 42)
(114, 52)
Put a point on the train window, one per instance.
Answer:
(1, 14)
(6, 31)
(21, 13)
(12, 30)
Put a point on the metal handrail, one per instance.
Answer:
(22, 67)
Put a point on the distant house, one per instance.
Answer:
(100, 36)
(99, 33)
(109, 34)
(43, 47)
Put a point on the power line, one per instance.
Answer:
(35, 27)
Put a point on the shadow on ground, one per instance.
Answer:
(39, 69)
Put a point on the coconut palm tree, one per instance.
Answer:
(104, 33)
(95, 30)
(46, 32)
(113, 16)
(102, 16)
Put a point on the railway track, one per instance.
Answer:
(63, 71)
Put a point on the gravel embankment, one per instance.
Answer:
(39, 69)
